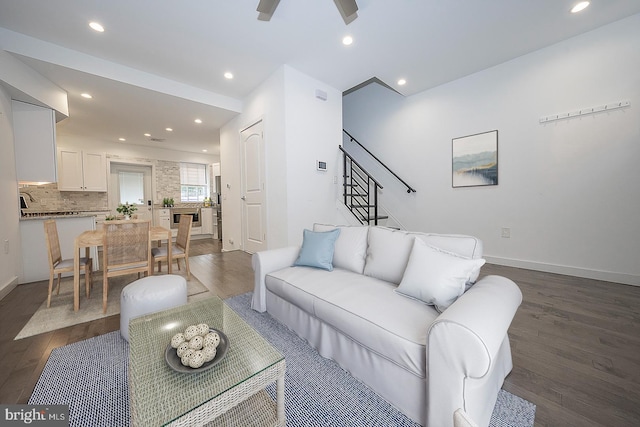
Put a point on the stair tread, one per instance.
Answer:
(371, 218)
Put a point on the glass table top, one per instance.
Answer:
(160, 395)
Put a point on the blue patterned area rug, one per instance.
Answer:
(91, 377)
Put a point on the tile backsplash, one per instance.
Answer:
(47, 197)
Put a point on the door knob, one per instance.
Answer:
(244, 197)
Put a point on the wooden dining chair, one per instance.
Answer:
(126, 249)
(180, 249)
(57, 265)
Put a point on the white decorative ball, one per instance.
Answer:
(212, 338)
(176, 340)
(195, 342)
(186, 357)
(203, 329)
(209, 352)
(196, 360)
(191, 332)
(184, 346)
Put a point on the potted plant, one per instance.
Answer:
(126, 209)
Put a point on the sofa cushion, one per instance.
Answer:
(387, 254)
(364, 308)
(436, 277)
(317, 249)
(351, 246)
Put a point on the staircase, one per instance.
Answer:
(360, 191)
(360, 188)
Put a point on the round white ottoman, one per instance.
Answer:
(148, 295)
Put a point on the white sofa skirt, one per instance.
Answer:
(404, 390)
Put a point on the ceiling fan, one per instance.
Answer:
(348, 9)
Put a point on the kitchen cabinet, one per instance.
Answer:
(163, 218)
(82, 171)
(207, 220)
(34, 137)
(35, 256)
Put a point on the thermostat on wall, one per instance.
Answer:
(322, 166)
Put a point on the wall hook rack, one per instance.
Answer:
(585, 111)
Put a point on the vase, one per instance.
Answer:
(127, 217)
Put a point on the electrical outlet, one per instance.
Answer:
(506, 233)
(231, 241)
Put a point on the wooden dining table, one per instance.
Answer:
(94, 238)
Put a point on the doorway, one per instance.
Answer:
(254, 212)
(131, 183)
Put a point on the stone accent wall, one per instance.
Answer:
(168, 180)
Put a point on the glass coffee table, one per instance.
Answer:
(229, 393)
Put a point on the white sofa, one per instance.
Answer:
(425, 363)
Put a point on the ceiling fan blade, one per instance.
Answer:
(266, 9)
(348, 10)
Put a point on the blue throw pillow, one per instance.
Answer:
(317, 249)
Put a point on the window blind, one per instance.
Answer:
(193, 174)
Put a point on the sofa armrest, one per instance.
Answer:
(266, 262)
(464, 341)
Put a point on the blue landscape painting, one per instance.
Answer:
(475, 160)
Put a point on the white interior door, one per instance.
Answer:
(254, 215)
(131, 183)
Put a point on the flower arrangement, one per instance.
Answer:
(126, 209)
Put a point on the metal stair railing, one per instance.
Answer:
(359, 188)
(352, 139)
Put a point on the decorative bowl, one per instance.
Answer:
(172, 359)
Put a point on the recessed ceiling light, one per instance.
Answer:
(579, 7)
(86, 95)
(198, 121)
(147, 135)
(96, 26)
(204, 151)
(228, 75)
(402, 82)
(168, 129)
(121, 139)
(347, 40)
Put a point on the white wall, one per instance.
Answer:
(298, 130)
(314, 132)
(568, 190)
(10, 263)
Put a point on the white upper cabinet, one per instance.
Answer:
(81, 171)
(34, 135)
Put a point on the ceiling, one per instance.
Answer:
(160, 63)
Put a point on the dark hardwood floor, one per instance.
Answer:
(575, 342)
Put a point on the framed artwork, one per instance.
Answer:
(475, 160)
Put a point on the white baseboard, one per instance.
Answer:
(607, 276)
(8, 287)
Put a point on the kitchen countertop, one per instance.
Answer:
(43, 216)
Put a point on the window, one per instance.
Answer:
(194, 186)
(131, 187)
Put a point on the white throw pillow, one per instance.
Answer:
(436, 277)
(387, 254)
(351, 246)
